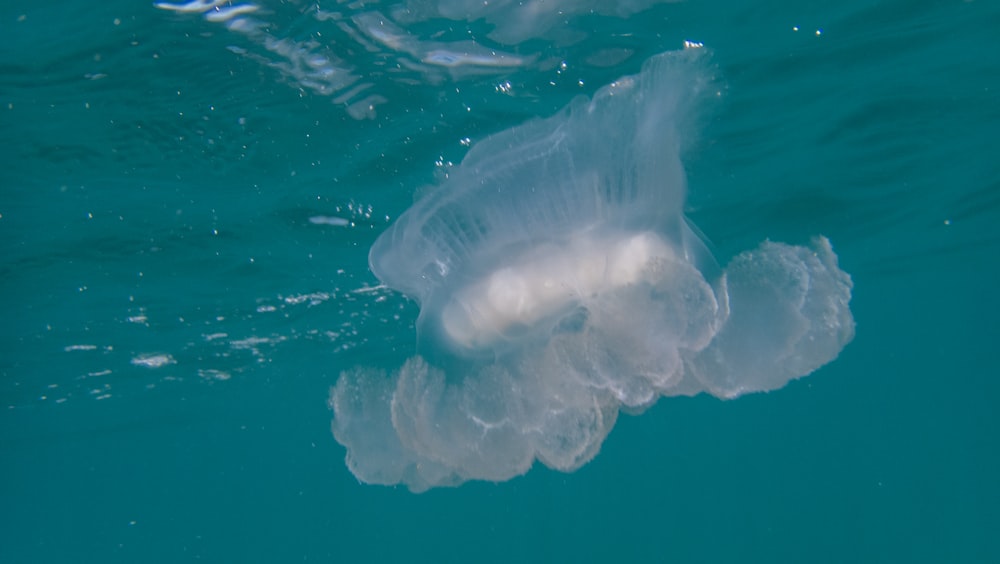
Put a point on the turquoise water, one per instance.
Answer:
(187, 207)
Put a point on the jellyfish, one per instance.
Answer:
(560, 283)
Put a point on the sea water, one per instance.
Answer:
(187, 202)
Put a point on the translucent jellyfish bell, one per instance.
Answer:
(541, 217)
(560, 282)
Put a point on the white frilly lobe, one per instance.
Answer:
(559, 282)
(789, 315)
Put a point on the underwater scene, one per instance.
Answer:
(507, 281)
